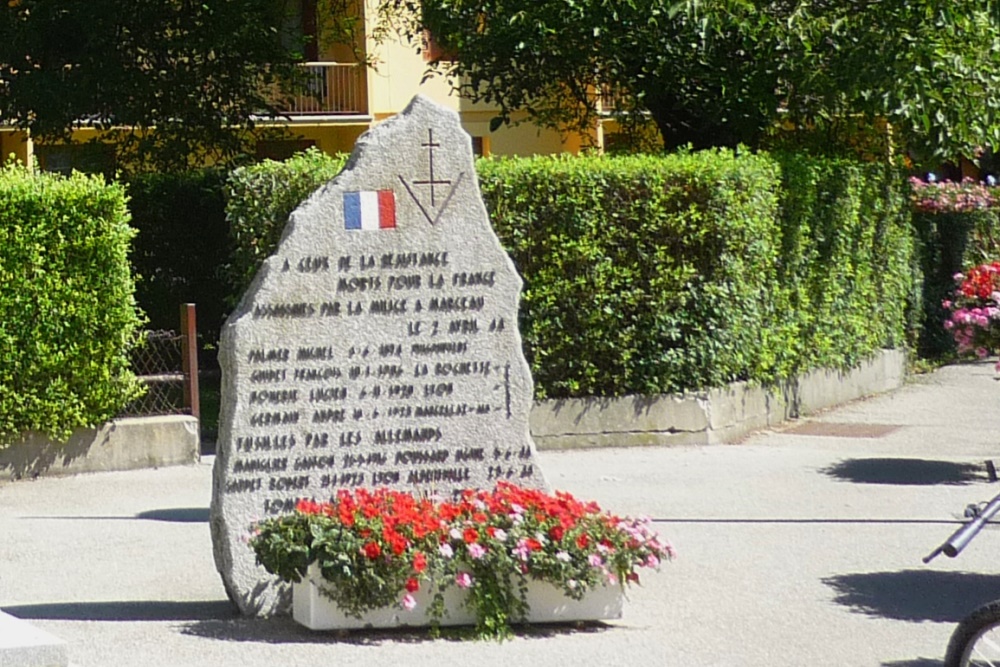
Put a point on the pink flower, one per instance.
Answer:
(446, 551)
(981, 352)
(595, 560)
(409, 602)
(477, 551)
(463, 580)
(652, 561)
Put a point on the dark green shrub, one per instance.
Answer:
(259, 199)
(949, 242)
(67, 311)
(181, 247)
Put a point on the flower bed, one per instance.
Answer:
(375, 551)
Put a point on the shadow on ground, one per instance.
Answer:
(915, 595)
(906, 471)
(283, 630)
(173, 515)
(919, 662)
(177, 515)
(141, 610)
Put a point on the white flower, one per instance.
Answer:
(563, 556)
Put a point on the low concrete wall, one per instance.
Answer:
(122, 444)
(715, 416)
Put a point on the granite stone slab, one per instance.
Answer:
(378, 347)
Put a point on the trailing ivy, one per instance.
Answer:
(67, 311)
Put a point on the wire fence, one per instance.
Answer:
(156, 361)
(166, 362)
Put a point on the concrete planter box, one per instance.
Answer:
(711, 417)
(548, 605)
(122, 444)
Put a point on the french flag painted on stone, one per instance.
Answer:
(370, 209)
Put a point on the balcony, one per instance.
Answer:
(329, 89)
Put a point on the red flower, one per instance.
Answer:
(557, 532)
(583, 541)
(419, 562)
(372, 550)
(306, 506)
(412, 585)
(470, 535)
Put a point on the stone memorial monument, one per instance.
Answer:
(378, 347)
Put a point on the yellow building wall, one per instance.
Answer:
(16, 143)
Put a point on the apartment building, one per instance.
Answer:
(342, 98)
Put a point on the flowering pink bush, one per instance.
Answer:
(948, 196)
(974, 320)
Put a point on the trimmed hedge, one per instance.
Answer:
(648, 275)
(259, 199)
(670, 273)
(181, 247)
(67, 312)
(642, 274)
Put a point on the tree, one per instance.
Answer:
(723, 72)
(173, 81)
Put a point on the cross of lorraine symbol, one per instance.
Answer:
(432, 212)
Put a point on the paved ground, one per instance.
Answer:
(794, 549)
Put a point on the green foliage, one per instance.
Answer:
(182, 242)
(643, 275)
(67, 313)
(649, 275)
(723, 72)
(176, 83)
(846, 258)
(259, 199)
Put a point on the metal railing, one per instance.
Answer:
(329, 89)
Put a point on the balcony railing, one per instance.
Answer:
(329, 89)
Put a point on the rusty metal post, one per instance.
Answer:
(189, 359)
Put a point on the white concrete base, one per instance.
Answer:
(548, 605)
(23, 645)
(122, 444)
(710, 417)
